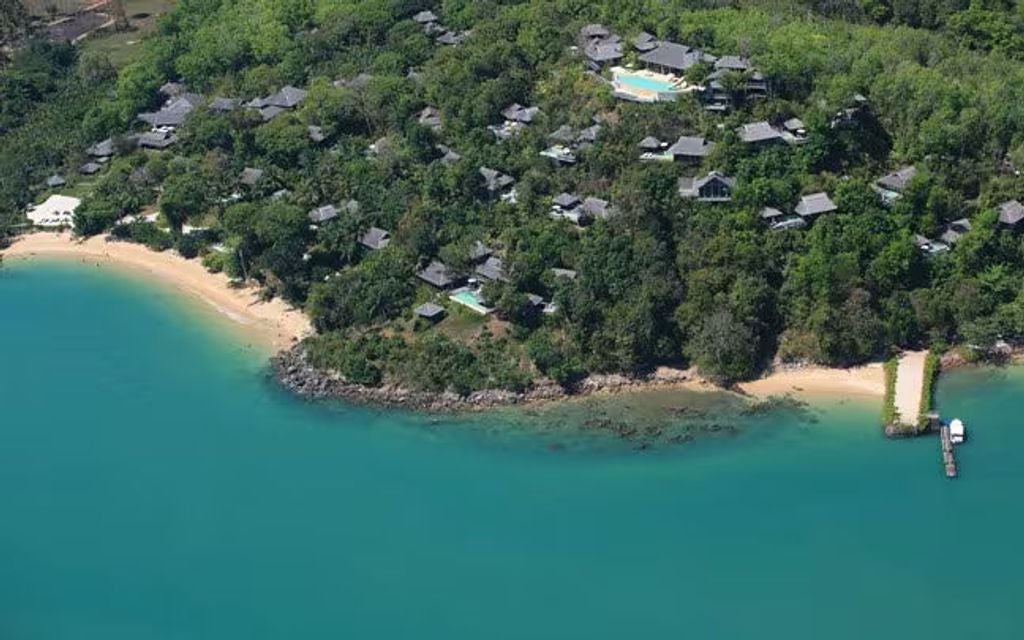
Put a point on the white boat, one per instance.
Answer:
(957, 432)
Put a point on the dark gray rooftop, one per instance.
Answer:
(429, 310)
(732, 63)
(755, 132)
(1011, 213)
(650, 143)
(323, 214)
(594, 31)
(156, 140)
(496, 180)
(566, 200)
(671, 55)
(897, 180)
(595, 207)
(518, 113)
(645, 42)
(815, 204)
(492, 269)
(437, 274)
(691, 147)
(270, 112)
(603, 50)
(375, 238)
(288, 97)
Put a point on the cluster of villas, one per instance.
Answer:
(466, 290)
(442, 35)
(663, 67)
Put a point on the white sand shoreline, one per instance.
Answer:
(273, 325)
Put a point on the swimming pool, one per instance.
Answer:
(645, 83)
(471, 299)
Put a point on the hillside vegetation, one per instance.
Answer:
(663, 280)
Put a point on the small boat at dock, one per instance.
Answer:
(957, 431)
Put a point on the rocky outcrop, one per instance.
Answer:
(293, 370)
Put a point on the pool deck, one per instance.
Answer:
(459, 296)
(671, 86)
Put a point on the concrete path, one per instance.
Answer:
(909, 382)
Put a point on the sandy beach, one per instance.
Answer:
(816, 382)
(273, 325)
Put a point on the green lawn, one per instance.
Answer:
(120, 46)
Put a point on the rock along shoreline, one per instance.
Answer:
(293, 371)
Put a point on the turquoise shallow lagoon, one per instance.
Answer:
(154, 484)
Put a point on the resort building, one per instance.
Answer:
(375, 239)
(172, 115)
(102, 151)
(601, 48)
(815, 204)
(429, 311)
(495, 181)
(778, 221)
(90, 168)
(594, 209)
(891, 187)
(1011, 213)
(437, 274)
(690, 149)
(645, 42)
(955, 230)
(794, 131)
(492, 269)
(560, 154)
(157, 140)
(929, 247)
(55, 181)
(268, 108)
(760, 133)
(451, 38)
(671, 58)
(714, 187)
(323, 214)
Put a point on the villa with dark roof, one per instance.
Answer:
(1011, 213)
(713, 187)
(690, 148)
(375, 238)
(671, 58)
(760, 133)
(815, 204)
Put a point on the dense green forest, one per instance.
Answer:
(662, 280)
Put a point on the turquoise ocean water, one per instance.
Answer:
(154, 484)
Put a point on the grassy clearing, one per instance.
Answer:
(120, 46)
(931, 374)
(889, 413)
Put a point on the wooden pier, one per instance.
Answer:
(948, 460)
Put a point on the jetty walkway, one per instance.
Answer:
(909, 383)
